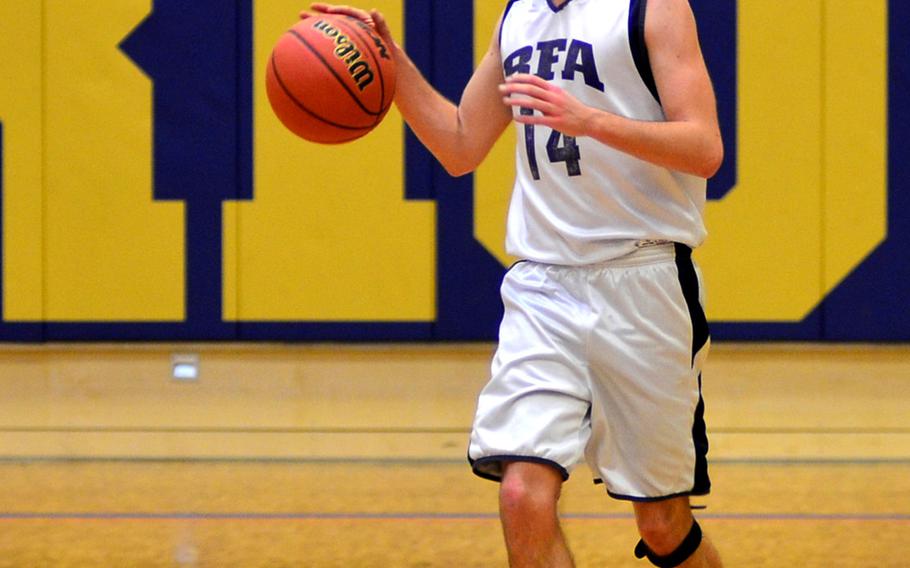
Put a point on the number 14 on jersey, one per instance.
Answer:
(560, 148)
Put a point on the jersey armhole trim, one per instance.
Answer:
(637, 12)
(502, 23)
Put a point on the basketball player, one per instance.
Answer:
(603, 336)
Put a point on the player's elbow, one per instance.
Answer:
(460, 166)
(711, 160)
(459, 171)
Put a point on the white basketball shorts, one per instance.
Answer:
(602, 363)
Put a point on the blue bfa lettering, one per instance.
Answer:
(578, 58)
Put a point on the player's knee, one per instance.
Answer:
(660, 532)
(517, 497)
(658, 537)
(523, 493)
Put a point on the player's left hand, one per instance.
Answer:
(555, 107)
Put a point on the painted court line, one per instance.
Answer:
(417, 461)
(249, 516)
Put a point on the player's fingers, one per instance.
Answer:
(342, 10)
(382, 27)
(535, 104)
(527, 78)
(333, 8)
(532, 119)
(537, 120)
(319, 7)
(533, 91)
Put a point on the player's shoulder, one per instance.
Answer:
(669, 4)
(668, 21)
(668, 10)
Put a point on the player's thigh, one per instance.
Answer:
(535, 406)
(646, 385)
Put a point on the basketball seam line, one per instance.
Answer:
(356, 32)
(328, 66)
(302, 107)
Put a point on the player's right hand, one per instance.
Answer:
(373, 18)
(324, 8)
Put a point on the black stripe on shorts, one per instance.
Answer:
(688, 281)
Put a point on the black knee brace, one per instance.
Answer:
(682, 553)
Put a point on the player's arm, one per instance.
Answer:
(688, 141)
(460, 136)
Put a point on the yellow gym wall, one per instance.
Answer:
(329, 236)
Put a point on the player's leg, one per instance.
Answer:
(671, 537)
(649, 442)
(530, 522)
(532, 420)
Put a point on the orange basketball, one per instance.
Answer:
(330, 79)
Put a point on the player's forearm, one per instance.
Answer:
(682, 146)
(433, 118)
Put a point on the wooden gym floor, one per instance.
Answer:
(350, 456)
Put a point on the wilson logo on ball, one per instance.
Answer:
(346, 51)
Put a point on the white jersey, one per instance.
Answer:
(578, 201)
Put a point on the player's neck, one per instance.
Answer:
(558, 3)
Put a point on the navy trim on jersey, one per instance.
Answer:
(491, 467)
(637, 10)
(557, 8)
(511, 266)
(502, 23)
